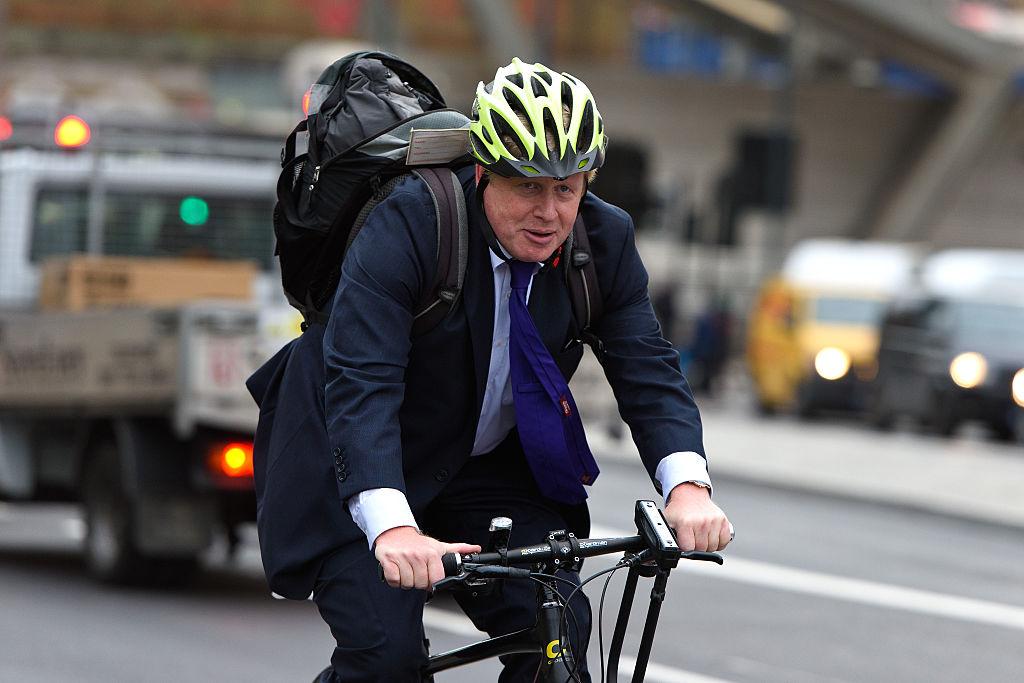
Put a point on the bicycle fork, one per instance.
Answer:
(653, 612)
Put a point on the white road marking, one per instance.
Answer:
(459, 625)
(851, 590)
(664, 674)
(450, 622)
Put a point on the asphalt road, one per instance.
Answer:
(813, 589)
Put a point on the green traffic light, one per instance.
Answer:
(194, 211)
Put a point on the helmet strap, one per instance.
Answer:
(485, 222)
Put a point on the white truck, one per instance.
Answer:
(139, 412)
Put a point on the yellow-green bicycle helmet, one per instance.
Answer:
(514, 115)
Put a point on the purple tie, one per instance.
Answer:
(549, 424)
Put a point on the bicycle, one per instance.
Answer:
(652, 553)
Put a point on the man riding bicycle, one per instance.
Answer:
(433, 435)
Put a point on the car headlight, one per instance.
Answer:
(968, 369)
(831, 363)
(1017, 388)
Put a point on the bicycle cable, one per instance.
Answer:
(600, 620)
(563, 625)
(621, 564)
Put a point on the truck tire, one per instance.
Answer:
(111, 554)
(940, 419)
(1003, 430)
(878, 412)
(806, 405)
(765, 408)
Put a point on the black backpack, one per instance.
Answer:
(372, 120)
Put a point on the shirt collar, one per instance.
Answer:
(497, 261)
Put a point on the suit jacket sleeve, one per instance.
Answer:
(641, 366)
(367, 341)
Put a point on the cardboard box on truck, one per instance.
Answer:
(83, 282)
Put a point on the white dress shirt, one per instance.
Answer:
(377, 510)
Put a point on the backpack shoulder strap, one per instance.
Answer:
(452, 247)
(584, 291)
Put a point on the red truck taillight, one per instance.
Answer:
(233, 460)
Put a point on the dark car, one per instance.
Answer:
(946, 360)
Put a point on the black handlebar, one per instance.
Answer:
(483, 564)
(653, 552)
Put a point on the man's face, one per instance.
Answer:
(531, 217)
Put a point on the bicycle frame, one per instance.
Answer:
(542, 638)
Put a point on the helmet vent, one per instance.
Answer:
(481, 149)
(516, 79)
(519, 108)
(567, 98)
(586, 127)
(538, 86)
(546, 75)
(550, 131)
(508, 137)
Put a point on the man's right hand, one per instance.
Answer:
(412, 560)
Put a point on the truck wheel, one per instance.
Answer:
(765, 408)
(110, 553)
(879, 414)
(1003, 430)
(940, 419)
(806, 408)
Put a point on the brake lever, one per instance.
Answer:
(702, 555)
(449, 582)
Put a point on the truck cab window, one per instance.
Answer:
(61, 217)
(189, 225)
(156, 224)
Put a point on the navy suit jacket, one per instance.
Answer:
(379, 408)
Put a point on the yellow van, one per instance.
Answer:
(812, 336)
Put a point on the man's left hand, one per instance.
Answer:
(699, 523)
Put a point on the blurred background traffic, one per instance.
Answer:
(828, 197)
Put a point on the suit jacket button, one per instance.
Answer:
(337, 452)
(441, 474)
(342, 476)
(342, 467)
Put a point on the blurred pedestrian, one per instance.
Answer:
(709, 347)
(664, 303)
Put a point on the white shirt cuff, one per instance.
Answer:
(679, 468)
(377, 510)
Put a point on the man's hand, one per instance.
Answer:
(699, 523)
(412, 560)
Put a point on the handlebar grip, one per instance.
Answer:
(452, 563)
